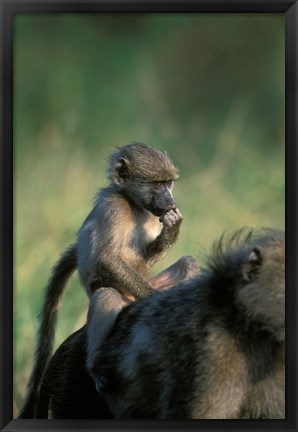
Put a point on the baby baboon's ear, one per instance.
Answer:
(121, 171)
(252, 266)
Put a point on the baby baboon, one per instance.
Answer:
(210, 348)
(67, 390)
(133, 223)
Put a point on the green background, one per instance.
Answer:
(207, 88)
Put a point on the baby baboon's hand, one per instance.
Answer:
(172, 218)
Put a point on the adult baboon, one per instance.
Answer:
(133, 223)
(210, 348)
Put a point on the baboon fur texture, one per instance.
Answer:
(210, 348)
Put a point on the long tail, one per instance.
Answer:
(46, 333)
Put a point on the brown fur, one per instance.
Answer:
(226, 377)
(266, 398)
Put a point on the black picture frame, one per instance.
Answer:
(8, 9)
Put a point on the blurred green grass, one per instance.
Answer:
(207, 88)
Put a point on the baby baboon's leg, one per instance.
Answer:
(105, 305)
(184, 269)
